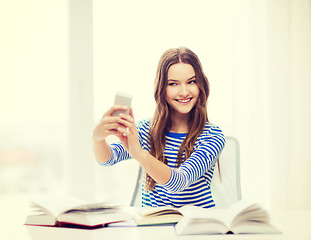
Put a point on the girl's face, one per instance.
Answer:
(182, 91)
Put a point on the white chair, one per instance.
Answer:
(136, 197)
(226, 187)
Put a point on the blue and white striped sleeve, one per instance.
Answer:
(119, 153)
(200, 161)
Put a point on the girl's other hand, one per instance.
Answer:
(129, 135)
(108, 124)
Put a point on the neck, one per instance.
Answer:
(179, 123)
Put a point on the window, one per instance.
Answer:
(33, 105)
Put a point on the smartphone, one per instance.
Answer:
(122, 99)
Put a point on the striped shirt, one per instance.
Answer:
(189, 183)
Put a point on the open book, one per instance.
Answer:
(241, 217)
(72, 212)
(157, 216)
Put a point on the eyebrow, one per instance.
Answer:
(178, 80)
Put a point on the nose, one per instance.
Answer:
(184, 91)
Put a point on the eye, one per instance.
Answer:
(172, 84)
(192, 82)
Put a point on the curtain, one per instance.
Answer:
(272, 100)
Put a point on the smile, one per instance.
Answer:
(183, 100)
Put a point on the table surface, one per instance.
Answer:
(294, 225)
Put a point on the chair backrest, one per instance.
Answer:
(136, 198)
(226, 187)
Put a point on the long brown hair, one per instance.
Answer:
(161, 123)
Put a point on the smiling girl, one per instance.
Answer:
(178, 148)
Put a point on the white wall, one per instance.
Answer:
(250, 97)
(80, 169)
(271, 88)
(290, 109)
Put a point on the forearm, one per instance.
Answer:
(160, 172)
(102, 151)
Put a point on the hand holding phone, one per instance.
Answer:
(122, 99)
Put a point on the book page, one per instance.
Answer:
(156, 216)
(101, 207)
(237, 209)
(255, 227)
(188, 226)
(214, 214)
(56, 206)
(94, 218)
(152, 211)
(225, 215)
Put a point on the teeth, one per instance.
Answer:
(184, 101)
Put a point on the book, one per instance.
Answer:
(72, 212)
(157, 216)
(242, 217)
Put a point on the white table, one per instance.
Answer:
(295, 225)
